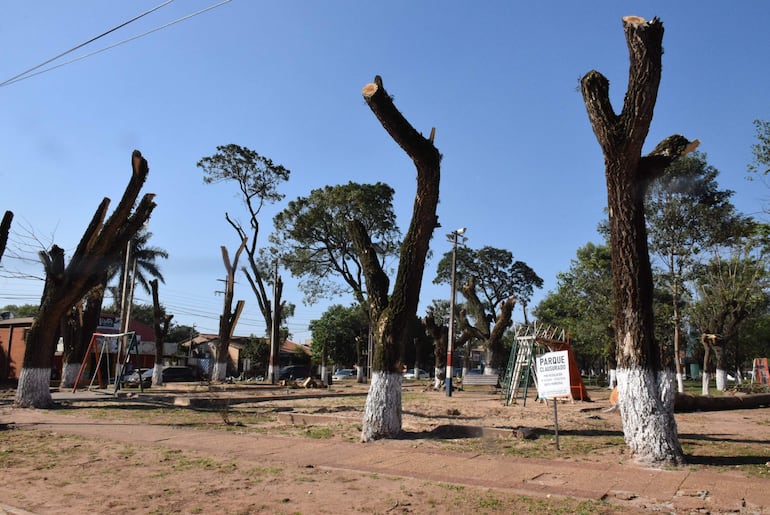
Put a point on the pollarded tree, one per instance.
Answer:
(257, 178)
(645, 392)
(229, 317)
(161, 322)
(392, 315)
(686, 213)
(100, 248)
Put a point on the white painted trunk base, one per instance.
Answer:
(704, 390)
(613, 379)
(438, 373)
(382, 411)
(157, 374)
(34, 390)
(680, 382)
(219, 372)
(69, 374)
(646, 401)
(721, 377)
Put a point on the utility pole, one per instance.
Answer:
(275, 335)
(450, 344)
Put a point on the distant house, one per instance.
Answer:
(201, 351)
(13, 343)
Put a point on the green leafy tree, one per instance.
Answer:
(730, 289)
(491, 283)
(257, 178)
(686, 212)
(338, 333)
(313, 241)
(761, 149)
(583, 304)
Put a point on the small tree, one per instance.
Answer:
(100, 247)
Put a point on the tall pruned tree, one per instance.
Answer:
(161, 323)
(645, 392)
(258, 178)
(229, 317)
(392, 315)
(490, 280)
(99, 248)
(687, 213)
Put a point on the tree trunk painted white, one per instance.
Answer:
(721, 377)
(34, 390)
(649, 426)
(157, 374)
(705, 383)
(680, 382)
(69, 375)
(382, 411)
(439, 376)
(219, 373)
(613, 379)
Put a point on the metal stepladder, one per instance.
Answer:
(519, 370)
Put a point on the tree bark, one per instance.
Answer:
(161, 324)
(440, 336)
(101, 246)
(686, 402)
(644, 389)
(392, 316)
(229, 318)
(5, 229)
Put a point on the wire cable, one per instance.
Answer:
(27, 75)
(25, 72)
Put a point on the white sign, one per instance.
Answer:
(553, 375)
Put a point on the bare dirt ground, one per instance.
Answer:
(124, 455)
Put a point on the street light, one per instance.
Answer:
(453, 236)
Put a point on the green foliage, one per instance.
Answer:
(583, 304)
(497, 276)
(258, 351)
(21, 311)
(761, 149)
(335, 334)
(312, 238)
(257, 176)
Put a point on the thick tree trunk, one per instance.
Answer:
(101, 246)
(229, 318)
(645, 395)
(685, 402)
(392, 315)
(69, 374)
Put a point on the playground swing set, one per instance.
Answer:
(98, 347)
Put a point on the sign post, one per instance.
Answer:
(553, 381)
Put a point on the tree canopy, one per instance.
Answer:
(313, 240)
(337, 333)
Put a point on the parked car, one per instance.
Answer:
(292, 372)
(345, 373)
(421, 374)
(132, 380)
(171, 374)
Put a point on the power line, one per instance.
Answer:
(27, 75)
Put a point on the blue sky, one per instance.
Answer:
(498, 79)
